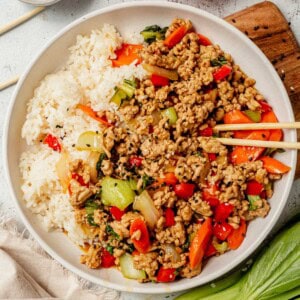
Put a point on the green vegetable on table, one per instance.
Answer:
(153, 33)
(274, 275)
(116, 192)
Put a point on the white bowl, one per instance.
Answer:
(135, 16)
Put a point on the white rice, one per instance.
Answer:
(87, 75)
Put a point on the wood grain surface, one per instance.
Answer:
(265, 25)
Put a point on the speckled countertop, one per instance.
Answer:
(18, 46)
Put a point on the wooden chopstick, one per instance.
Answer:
(258, 143)
(21, 19)
(8, 83)
(254, 126)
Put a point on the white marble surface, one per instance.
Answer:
(18, 46)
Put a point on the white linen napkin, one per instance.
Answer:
(28, 272)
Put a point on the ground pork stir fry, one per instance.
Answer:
(163, 195)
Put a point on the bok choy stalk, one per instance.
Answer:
(274, 275)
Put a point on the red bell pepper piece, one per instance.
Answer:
(184, 190)
(88, 110)
(210, 250)
(222, 73)
(223, 211)
(166, 274)
(170, 217)
(203, 40)
(135, 161)
(52, 142)
(212, 156)
(209, 195)
(263, 195)
(107, 259)
(79, 178)
(176, 36)
(143, 243)
(213, 202)
(237, 236)
(200, 243)
(127, 54)
(169, 179)
(208, 131)
(265, 107)
(222, 230)
(116, 212)
(158, 80)
(254, 188)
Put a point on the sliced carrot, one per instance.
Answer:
(274, 166)
(88, 110)
(242, 154)
(270, 117)
(237, 236)
(241, 134)
(200, 243)
(236, 117)
(176, 36)
(127, 54)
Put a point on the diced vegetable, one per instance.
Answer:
(145, 205)
(218, 62)
(124, 91)
(99, 164)
(128, 270)
(222, 73)
(107, 259)
(203, 40)
(142, 243)
(90, 206)
(135, 161)
(208, 131)
(170, 74)
(147, 180)
(92, 161)
(88, 110)
(158, 80)
(212, 201)
(254, 188)
(170, 113)
(109, 230)
(169, 179)
(79, 179)
(166, 274)
(223, 211)
(133, 184)
(252, 200)
(176, 36)
(265, 107)
(236, 117)
(153, 33)
(237, 236)
(62, 170)
(52, 142)
(90, 140)
(210, 250)
(274, 166)
(127, 54)
(255, 116)
(222, 230)
(275, 134)
(212, 156)
(116, 192)
(170, 217)
(118, 97)
(220, 247)
(200, 243)
(171, 251)
(184, 190)
(116, 213)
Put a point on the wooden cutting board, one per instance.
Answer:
(265, 25)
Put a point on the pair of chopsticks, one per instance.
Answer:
(7, 27)
(257, 143)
